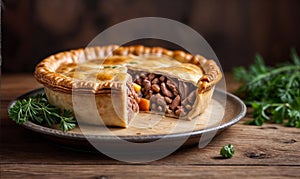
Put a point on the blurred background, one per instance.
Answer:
(235, 29)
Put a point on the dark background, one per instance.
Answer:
(235, 29)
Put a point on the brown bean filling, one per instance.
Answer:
(133, 106)
(166, 95)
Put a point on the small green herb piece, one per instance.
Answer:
(227, 151)
(38, 110)
(273, 92)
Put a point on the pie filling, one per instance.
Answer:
(166, 95)
(133, 106)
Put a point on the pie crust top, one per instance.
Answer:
(95, 69)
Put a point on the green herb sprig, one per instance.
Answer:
(273, 92)
(38, 110)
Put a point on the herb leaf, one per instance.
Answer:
(273, 92)
(227, 151)
(38, 110)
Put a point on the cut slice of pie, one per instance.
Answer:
(121, 81)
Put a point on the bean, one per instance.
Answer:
(151, 76)
(175, 102)
(171, 81)
(136, 76)
(138, 81)
(162, 78)
(155, 81)
(168, 100)
(165, 91)
(147, 84)
(155, 87)
(171, 85)
(142, 75)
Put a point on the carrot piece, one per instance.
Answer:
(144, 104)
(136, 87)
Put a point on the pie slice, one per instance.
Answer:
(122, 81)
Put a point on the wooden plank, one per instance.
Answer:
(146, 171)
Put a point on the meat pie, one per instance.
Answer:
(124, 81)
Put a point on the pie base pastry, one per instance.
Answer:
(121, 81)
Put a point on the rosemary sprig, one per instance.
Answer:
(38, 110)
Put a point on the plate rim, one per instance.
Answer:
(136, 138)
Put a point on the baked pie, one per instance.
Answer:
(124, 80)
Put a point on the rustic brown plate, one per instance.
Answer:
(149, 127)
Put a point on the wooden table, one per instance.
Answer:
(261, 151)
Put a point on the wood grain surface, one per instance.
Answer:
(268, 151)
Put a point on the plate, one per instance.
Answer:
(148, 127)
